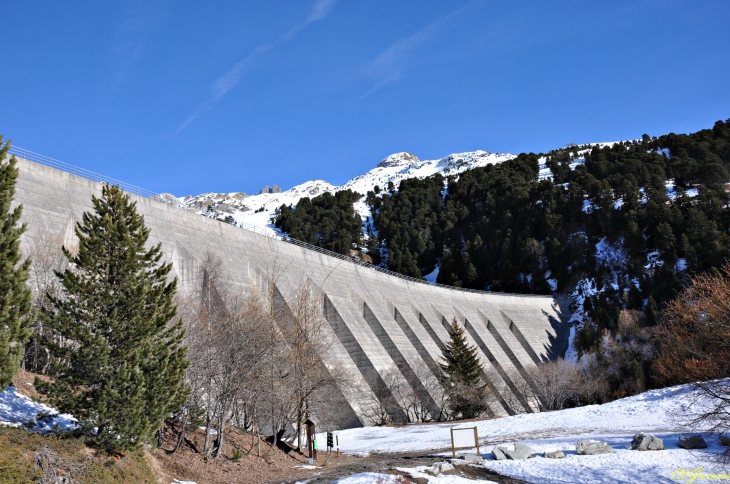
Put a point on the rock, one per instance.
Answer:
(462, 462)
(725, 441)
(472, 458)
(498, 453)
(692, 442)
(520, 452)
(439, 467)
(646, 442)
(592, 447)
(556, 454)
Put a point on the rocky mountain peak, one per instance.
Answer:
(273, 189)
(398, 159)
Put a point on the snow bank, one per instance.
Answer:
(17, 410)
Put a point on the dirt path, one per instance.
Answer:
(386, 464)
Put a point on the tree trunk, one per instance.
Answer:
(206, 450)
(181, 437)
(219, 438)
(161, 435)
(299, 429)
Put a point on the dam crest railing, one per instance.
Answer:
(90, 175)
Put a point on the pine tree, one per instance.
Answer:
(118, 354)
(463, 371)
(15, 295)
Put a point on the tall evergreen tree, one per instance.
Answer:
(118, 354)
(467, 393)
(15, 296)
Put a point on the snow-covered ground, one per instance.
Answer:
(658, 412)
(375, 478)
(17, 410)
(257, 210)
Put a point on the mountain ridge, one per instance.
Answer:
(257, 210)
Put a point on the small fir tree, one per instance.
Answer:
(118, 355)
(15, 296)
(465, 389)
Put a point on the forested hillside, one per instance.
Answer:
(328, 221)
(620, 226)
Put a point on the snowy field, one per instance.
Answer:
(657, 412)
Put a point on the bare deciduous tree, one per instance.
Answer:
(554, 384)
(693, 345)
(255, 358)
(46, 253)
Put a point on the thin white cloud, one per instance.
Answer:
(320, 9)
(130, 38)
(389, 65)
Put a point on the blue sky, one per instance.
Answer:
(190, 97)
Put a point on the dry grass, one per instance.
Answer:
(273, 466)
(32, 457)
(23, 382)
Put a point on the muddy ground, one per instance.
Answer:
(386, 464)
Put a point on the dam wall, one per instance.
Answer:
(386, 331)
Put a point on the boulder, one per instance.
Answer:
(556, 454)
(646, 442)
(692, 442)
(498, 452)
(593, 447)
(472, 458)
(438, 468)
(725, 440)
(521, 451)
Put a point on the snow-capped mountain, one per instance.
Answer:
(257, 210)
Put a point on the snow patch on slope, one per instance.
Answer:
(17, 410)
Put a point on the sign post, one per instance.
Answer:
(464, 438)
(311, 442)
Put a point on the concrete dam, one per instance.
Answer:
(383, 328)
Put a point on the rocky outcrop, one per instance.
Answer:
(593, 447)
(268, 189)
(646, 442)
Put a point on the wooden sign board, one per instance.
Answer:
(464, 438)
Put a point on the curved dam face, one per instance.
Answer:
(385, 331)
